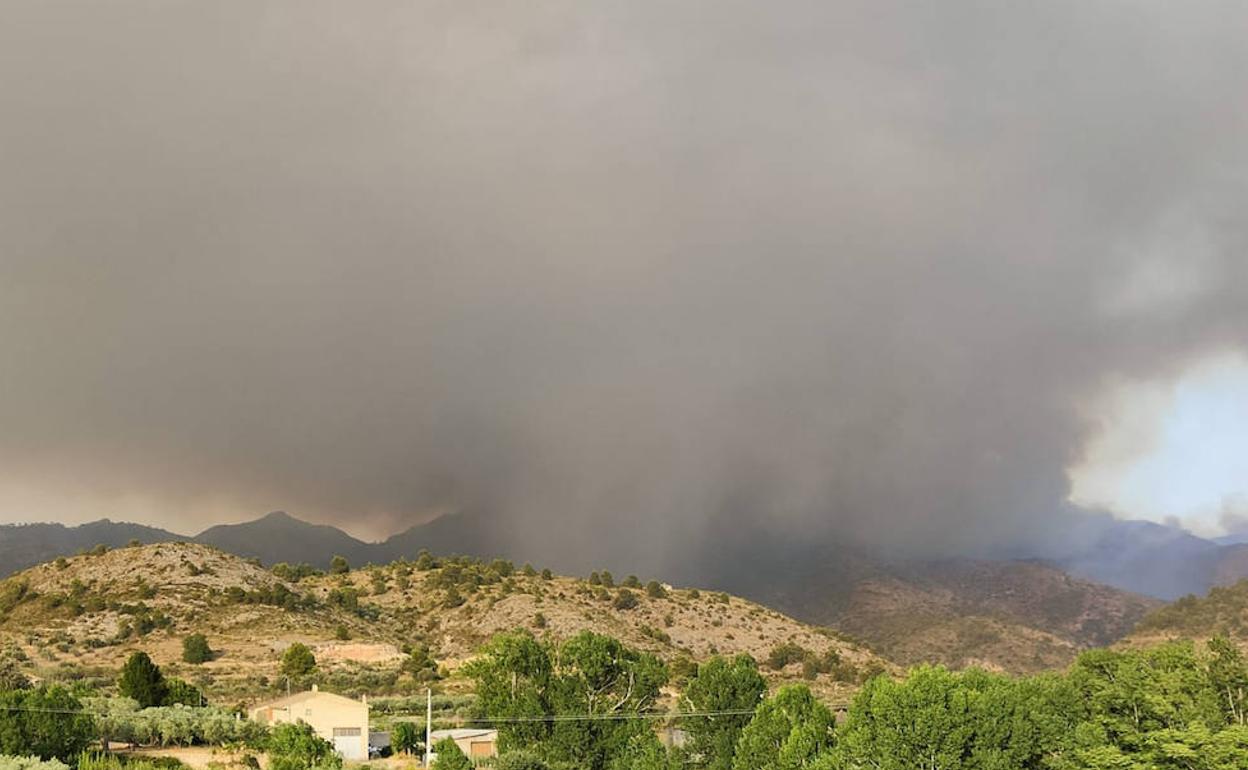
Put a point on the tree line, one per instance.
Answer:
(590, 703)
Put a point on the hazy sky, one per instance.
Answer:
(615, 272)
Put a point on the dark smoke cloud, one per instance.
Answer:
(619, 273)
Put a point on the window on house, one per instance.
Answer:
(346, 732)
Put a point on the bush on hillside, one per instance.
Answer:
(298, 660)
(195, 649)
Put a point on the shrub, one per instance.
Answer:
(339, 566)
(294, 572)
(655, 590)
(783, 654)
(183, 692)
(547, 574)
(405, 737)
(195, 649)
(298, 660)
(632, 582)
(625, 600)
(450, 757)
(341, 633)
(11, 677)
(297, 747)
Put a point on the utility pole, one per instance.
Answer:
(428, 722)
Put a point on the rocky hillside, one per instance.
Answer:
(88, 612)
(1018, 616)
(1012, 616)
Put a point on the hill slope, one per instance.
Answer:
(1222, 612)
(1011, 615)
(91, 611)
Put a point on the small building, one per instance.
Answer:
(338, 719)
(476, 744)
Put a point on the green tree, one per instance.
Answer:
(589, 674)
(195, 649)
(521, 760)
(405, 737)
(47, 722)
(644, 752)
(720, 686)
(1228, 675)
(183, 692)
(294, 746)
(339, 565)
(450, 757)
(789, 731)
(655, 590)
(141, 679)
(298, 660)
(938, 718)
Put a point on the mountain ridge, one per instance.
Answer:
(1017, 615)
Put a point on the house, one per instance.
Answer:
(474, 743)
(339, 720)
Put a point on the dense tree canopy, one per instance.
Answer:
(720, 686)
(589, 675)
(788, 732)
(1171, 707)
(46, 722)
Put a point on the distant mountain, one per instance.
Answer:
(453, 533)
(25, 545)
(1018, 616)
(280, 537)
(1144, 557)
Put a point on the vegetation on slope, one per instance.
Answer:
(380, 629)
(1223, 611)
